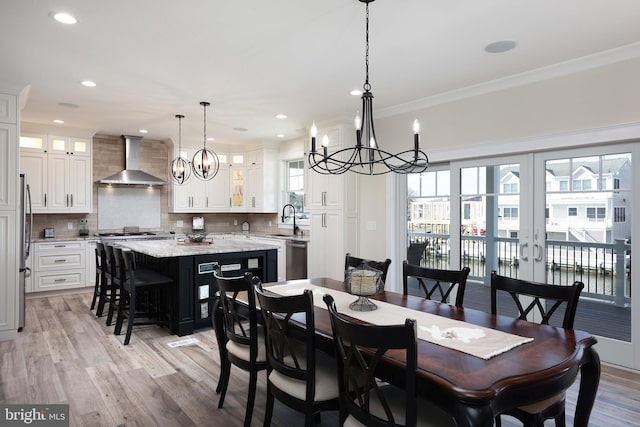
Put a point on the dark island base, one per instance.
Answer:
(193, 297)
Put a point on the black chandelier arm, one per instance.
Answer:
(333, 164)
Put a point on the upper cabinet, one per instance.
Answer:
(8, 152)
(326, 191)
(246, 182)
(58, 171)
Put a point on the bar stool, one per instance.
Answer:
(98, 289)
(144, 290)
(112, 287)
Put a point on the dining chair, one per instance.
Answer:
(245, 346)
(298, 374)
(143, 292)
(433, 283)
(365, 400)
(415, 252)
(355, 262)
(546, 300)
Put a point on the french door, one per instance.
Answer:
(553, 217)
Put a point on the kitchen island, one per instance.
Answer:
(191, 267)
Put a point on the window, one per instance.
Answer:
(510, 213)
(564, 185)
(513, 234)
(572, 211)
(616, 183)
(467, 211)
(510, 187)
(619, 214)
(596, 214)
(581, 184)
(295, 186)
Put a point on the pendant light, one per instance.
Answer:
(180, 167)
(205, 162)
(366, 157)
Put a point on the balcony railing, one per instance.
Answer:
(604, 268)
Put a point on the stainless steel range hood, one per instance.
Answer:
(132, 175)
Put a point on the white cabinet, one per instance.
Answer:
(327, 247)
(91, 262)
(247, 183)
(326, 191)
(197, 196)
(59, 265)
(254, 181)
(332, 205)
(9, 220)
(8, 166)
(59, 173)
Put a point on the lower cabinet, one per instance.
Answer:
(59, 265)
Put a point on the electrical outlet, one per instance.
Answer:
(69, 226)
(269, 223)
(179, 224)
(235, 222)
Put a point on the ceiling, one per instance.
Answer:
(153, 59)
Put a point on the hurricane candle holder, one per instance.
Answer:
(363, 281)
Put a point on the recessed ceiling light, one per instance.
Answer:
(143, 131)
(88, 83)
(356, 92)
(58, 121)
(281, 116)
(500, 46)
(241, 129)
(68, 105)
(211, 139)
(63, 18)
(280, 135)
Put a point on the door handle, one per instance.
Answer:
(72, 200)
(67, 200)
(45, 200)
(523, 255)
(537, 252)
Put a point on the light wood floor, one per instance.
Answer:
(67, 355)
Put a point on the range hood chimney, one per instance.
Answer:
(132, 175)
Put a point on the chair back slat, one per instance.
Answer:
(435, 284)
(240, 318)
(547, 300)
(360, 348)
(355, 262)
(290, 335)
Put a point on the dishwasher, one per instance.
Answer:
(296, 259)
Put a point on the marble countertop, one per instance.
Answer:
(172, 248)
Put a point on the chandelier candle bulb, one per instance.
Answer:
(325, 144)
(314, 133)
(416, 137)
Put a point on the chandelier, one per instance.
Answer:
(366, 157)
(180, 167)
(205, 162)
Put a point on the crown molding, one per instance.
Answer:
(560, 69)
(624, 132)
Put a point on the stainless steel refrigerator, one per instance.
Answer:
(26, 227)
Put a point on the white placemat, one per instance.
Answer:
(471, 339)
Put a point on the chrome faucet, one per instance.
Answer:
(283, 217)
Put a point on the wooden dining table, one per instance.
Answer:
(473, 389)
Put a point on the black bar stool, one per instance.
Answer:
(145, 291)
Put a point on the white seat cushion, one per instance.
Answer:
(242, 351)
(326, 380)
(429, 415)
